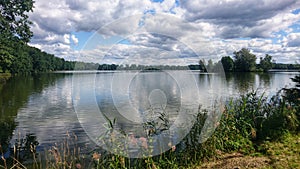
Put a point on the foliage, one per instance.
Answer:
(227, 63)
(107, 67)
(292, 96)
(263, 119)
(266, 63)
(6, 58)
(17, 57)
(282, 66)
(14, 23)
(244, 61)
(194, 67)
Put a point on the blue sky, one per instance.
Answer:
(163, 31)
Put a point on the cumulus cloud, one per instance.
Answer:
(293, 40)
(172, 29)
(74, 39)
(144, 49)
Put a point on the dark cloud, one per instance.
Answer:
(235, 11)
(237, 18)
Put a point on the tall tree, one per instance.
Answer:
(227, 63)
(14, 21)
(266, 63)
(244, 60)
(6, 58)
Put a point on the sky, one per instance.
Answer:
(166, 32)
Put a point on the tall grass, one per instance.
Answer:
(58, 156)
(245, 123)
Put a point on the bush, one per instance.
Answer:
(292, 97)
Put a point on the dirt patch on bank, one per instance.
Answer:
(237, 161)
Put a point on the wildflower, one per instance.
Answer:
(144, 142)
(78, 165)
(173, 148)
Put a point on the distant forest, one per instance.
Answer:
(241, 61)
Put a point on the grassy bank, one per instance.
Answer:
(283, 153)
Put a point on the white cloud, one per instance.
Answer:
(210, 28)
(74, 39)
(67, 38)
(293, 40)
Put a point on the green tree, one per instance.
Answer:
(266, 63)
(22, 63)
(15, 55)
(6, 58)
(227, 63)
(244, 61)
(14, 23)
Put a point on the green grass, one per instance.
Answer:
(284, 153)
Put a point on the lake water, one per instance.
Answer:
(49, 107)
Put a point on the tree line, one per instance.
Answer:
(244, 61)
(17, 57)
